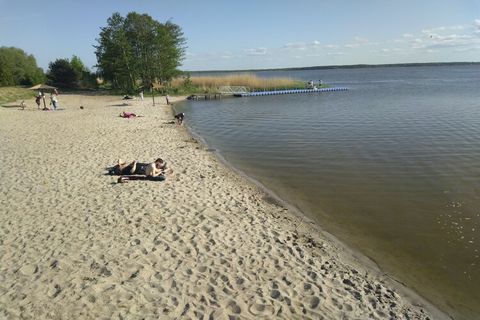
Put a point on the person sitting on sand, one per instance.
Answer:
(179, 117)
(128, 115)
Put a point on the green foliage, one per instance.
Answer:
(18, 68)
(62, 74)
(78, 65)
(137, 51)
(70, 74)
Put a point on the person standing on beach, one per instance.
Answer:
(53, 101)
(168, 99)
(141, 95)
(38, 99)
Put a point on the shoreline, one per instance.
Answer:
(312, 226)
(203, 243)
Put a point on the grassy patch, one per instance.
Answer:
(12, 94)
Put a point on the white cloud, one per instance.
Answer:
(476, 26)
(361, 40)
(331, 46)
(357, 42)
(444, 29)
(256, 51)
(226, 55)
(301, 45)
(336, 53)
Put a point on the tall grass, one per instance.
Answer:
(210, 84)
(12, 94)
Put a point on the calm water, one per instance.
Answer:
(391, 167)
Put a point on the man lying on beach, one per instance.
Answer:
(140, 171)
(153, 168)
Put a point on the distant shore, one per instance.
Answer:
(352, 66)
(206, 242)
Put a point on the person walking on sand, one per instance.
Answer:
(141, 95)
(167, 98)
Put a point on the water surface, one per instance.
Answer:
(391, 167)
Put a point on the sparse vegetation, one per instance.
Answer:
(11, 94)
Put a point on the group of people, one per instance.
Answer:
(312, 85)
(154, 171)
(53, 100)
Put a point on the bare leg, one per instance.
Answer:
(133, 167)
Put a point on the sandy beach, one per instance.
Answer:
(206, 243)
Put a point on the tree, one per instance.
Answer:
(78, 65)
(86, 78)
(62, 74)
(138, 50)
(18, 68)
(114, 55)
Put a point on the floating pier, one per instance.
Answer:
(212, 96)
(291, 91)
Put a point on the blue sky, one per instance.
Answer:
(257, 34)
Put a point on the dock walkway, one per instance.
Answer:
(291, 91)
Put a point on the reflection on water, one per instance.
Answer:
(391, 167)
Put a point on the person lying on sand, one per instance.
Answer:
(152, 169)
(135, 170)
(128, 115)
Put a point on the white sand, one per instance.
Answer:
(204, 244)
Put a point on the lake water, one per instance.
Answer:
(391, 167)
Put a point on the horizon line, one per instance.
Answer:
(344, 66)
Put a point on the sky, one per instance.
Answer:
(259, 34)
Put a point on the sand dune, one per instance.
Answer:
(203, 244)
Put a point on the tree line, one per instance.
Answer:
(132, 52)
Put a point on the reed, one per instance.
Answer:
(251, 81)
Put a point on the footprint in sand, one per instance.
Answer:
(233, 307)
(260, 309)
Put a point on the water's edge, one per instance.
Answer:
(350, 253)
